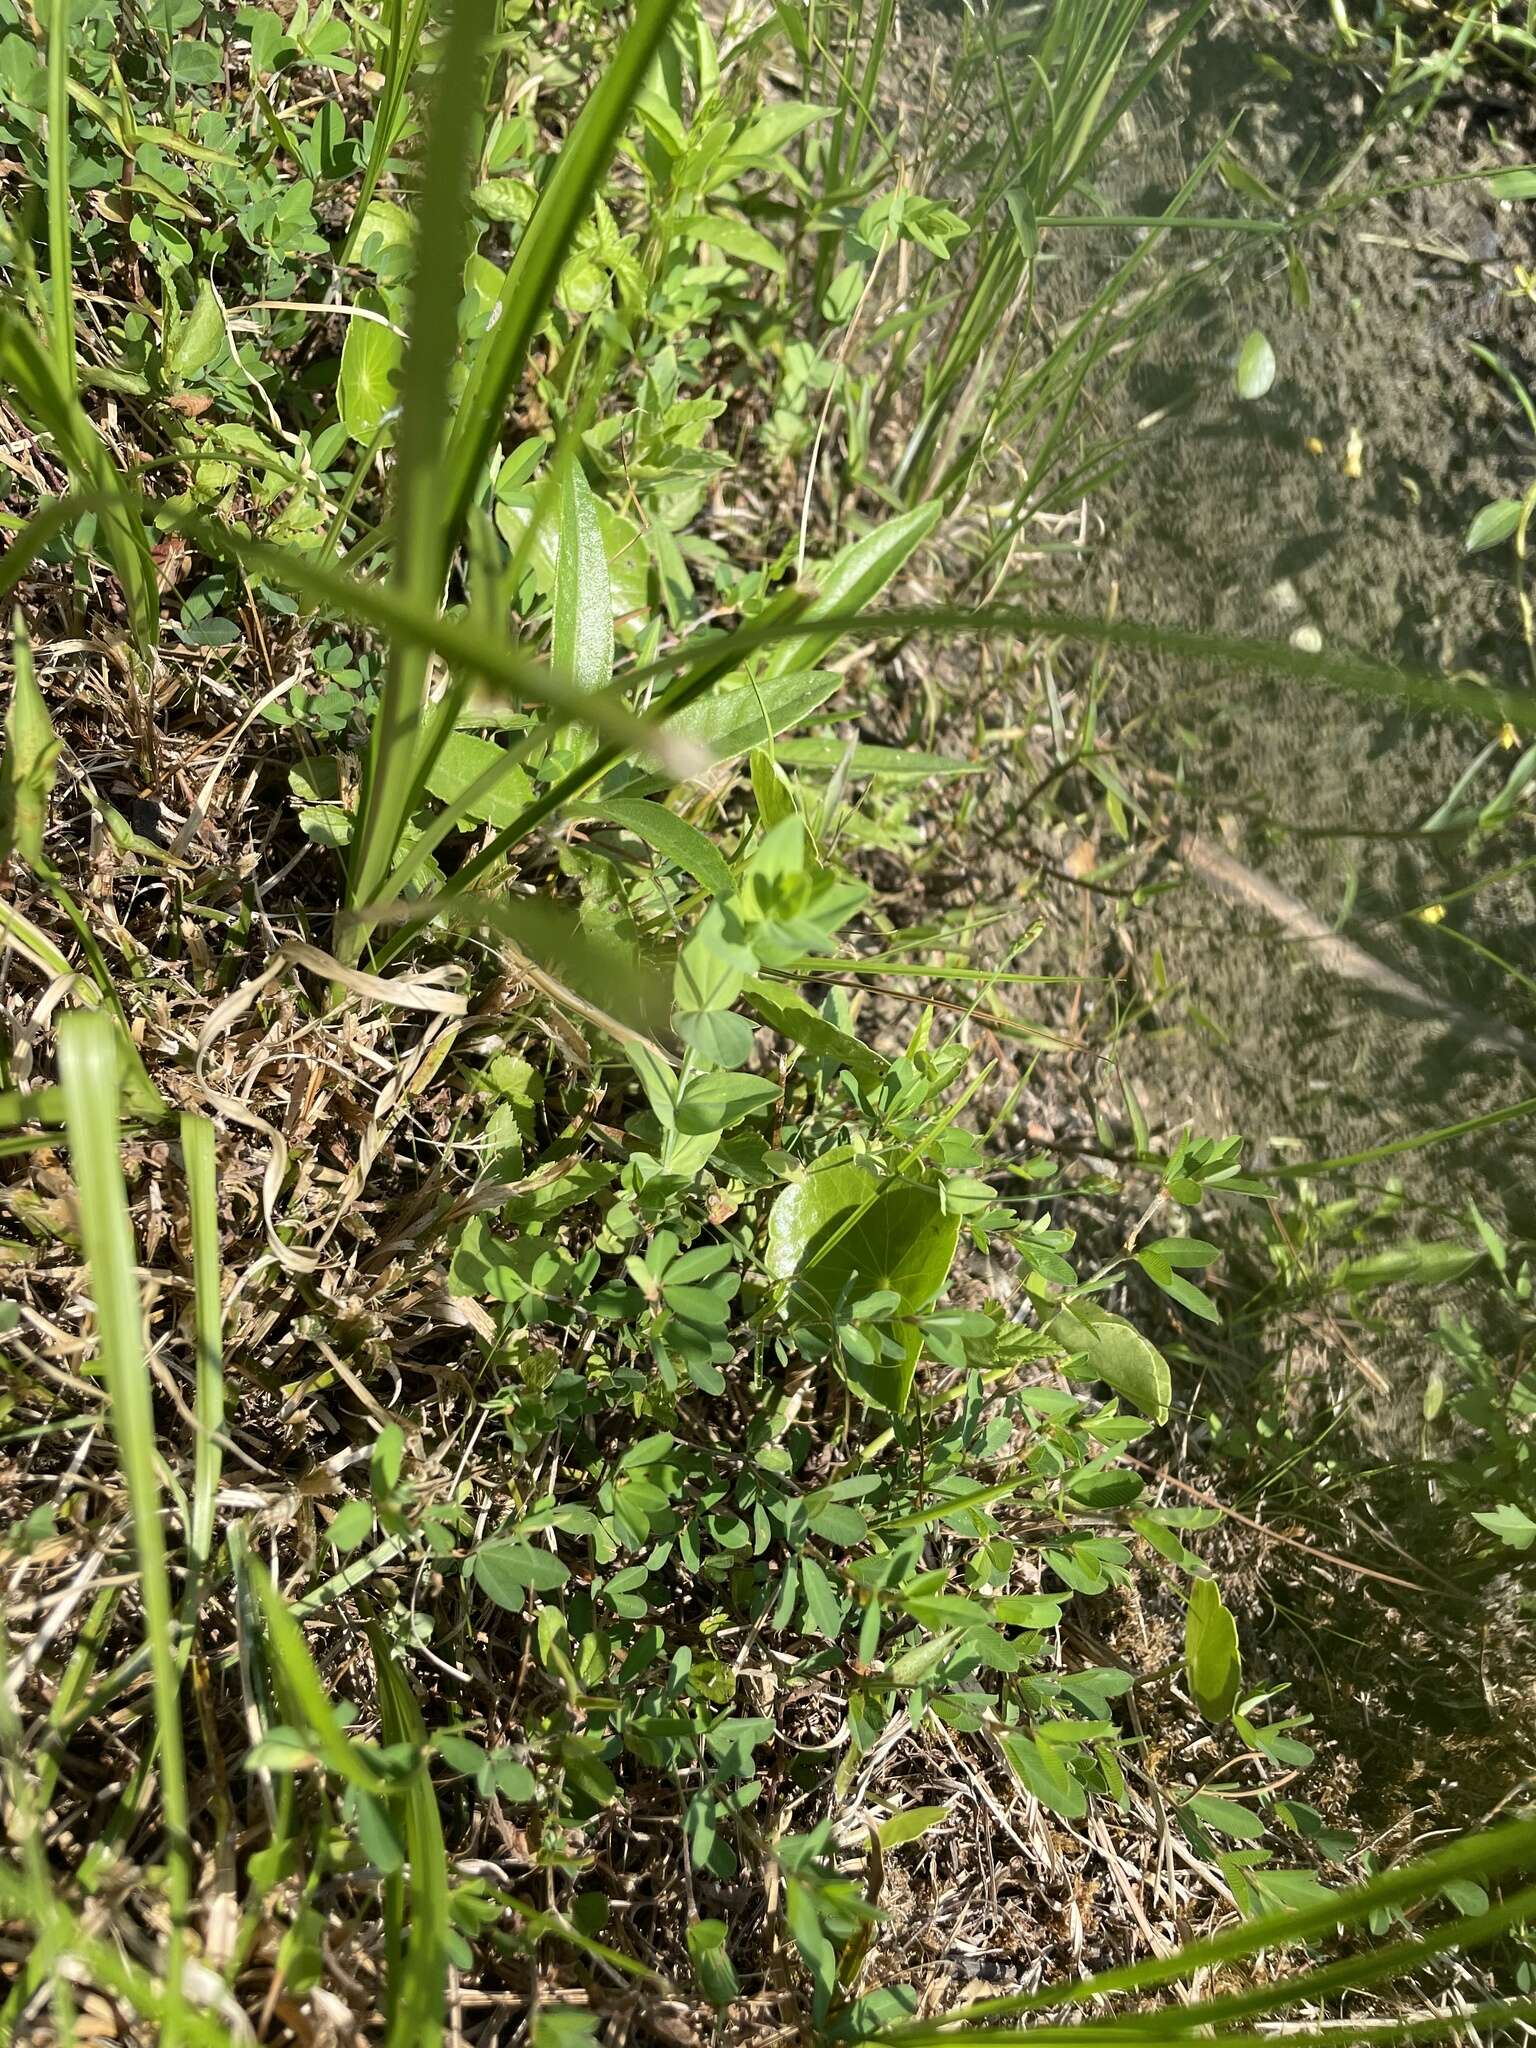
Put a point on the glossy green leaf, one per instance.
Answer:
(909, 1824)
(1255, 372)
(368, 386)
(1103, 1346)
(667, 834)
(731, 721)
(1042, 1769)
(199, 339)
(788, 1013)
(1495, 522)
(30, 760)
(477, 779)
(721, 1036)
(734, 237)
(1212, 1661)
(854, 578)
(1225, 1816)
(714, 1102)
(582, 646)
(711, 1965)
(507, 1569)
(1511, 1524)
(844, 1232)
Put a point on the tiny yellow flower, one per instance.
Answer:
(1432, 913)
(1354, 450)
(1509, 739)
(1314, 446)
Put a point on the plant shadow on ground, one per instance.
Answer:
(407, 1375)
(1338, 503)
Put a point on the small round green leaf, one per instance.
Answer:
(1255, 366)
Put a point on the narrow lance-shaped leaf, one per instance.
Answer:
(1211, 1657)
(530, 280)
(583, 631)
(88, 1066)
(416, 1994)
(854, 578)
(31, 755)
(46, 400)
(61, 282)
(453, 130)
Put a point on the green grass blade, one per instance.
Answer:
(516, 674)
(293, 1670)
(26, 1818)
(50, 405)
(1311, 1169)
(582, 642)
(114, 1973)
(200, 1158)
(442, 242)
(405, 32)
(61, 281)
(1351, 674)
(1483, 1855)
(416, 2000)
(1393, 1963)
(34, 535)
(531, 277)
(29, 939)
(88, 1065)
(1168, 2027)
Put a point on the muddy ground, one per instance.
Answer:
(1336, 506)
(1248, 518)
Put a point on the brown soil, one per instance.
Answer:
(1245, 518)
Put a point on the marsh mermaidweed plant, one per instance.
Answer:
(531, 1417)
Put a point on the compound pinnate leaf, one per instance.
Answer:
(844, 1232)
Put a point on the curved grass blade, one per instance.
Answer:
(61, 280)
(301, 1685)
(1479, 1856)
(200, 1159)
(1311, 1169)
(416, 1998)
(405, 30)
(1352, 674)
(1393, 1963)
(531, 277)
(51, 406)
(442, 243)
(88, 1065)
